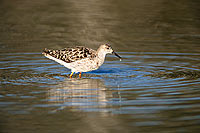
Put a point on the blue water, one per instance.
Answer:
(30, 82)
(154, 89)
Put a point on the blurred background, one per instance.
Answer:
(158, 25)
(155, 88)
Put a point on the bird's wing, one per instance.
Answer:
(69, 55)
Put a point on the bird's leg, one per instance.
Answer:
(80, 75)
(71, 74)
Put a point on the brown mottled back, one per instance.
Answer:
(71, 54)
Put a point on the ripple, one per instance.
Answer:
(141, 83)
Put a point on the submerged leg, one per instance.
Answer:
(71, 74)
(80, 75)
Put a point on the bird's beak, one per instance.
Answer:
(116, 55)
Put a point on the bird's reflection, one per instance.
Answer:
(81, 94)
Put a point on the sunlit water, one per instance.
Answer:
(155, 88)
(30, 83)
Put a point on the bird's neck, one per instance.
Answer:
(101, 56)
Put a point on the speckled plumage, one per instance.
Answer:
(69, 55)
(79, 58)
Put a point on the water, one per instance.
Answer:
(155, 88)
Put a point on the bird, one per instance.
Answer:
(80, 58)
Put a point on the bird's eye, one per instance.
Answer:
(108, 48)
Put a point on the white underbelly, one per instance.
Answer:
(84, 65)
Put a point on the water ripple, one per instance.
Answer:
(141, 83)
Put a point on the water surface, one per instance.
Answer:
(155, 88)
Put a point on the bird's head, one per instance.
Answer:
(108, 49)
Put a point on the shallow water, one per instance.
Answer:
(155, 88)
(34, 88)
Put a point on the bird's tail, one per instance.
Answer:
(46, 51)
